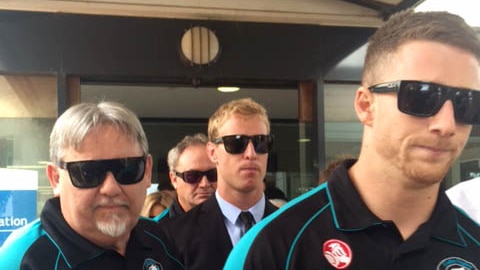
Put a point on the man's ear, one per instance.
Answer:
(53, 177)
(173, 179)
(148, 170)
(212, 152)
(364, 105)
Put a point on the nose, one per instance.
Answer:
(249, 152)
(110, 186)
(443, 122)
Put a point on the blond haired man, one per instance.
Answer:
(239, 142)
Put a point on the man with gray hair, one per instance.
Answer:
(192, 174)
(100, 170)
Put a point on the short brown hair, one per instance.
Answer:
(246, 107)
(407, 25)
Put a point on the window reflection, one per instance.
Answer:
(28, 109)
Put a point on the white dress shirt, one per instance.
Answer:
(231, 213)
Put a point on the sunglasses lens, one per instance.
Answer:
(194, 177)
(426, 99)
(86, 174)
(421, 99)
(129, 171)
(211, 175)
(91, 173)
(262, 143)
(235, 144)
(466, 106)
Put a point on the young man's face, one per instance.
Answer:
(243, 172)
(423, 148)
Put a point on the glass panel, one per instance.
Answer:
(469, 165)
(28, 108)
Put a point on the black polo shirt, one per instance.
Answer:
(331, 228)
(50, 243)
(173, 211)
(175, 208)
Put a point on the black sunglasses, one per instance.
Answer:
(92, 173)
(194, 177)
(236, 144)
(425, 99)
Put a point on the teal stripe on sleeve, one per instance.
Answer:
(237, 257)
(163, 214)
(18, 242)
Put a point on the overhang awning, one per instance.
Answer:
(361, 13)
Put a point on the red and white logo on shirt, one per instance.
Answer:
(337, 253)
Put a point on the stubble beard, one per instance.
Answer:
(413, 168)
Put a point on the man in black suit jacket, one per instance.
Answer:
(239, 142)
(192, 174)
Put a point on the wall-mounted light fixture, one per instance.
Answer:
(228, 89)
(199, 46)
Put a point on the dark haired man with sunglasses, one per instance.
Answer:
(239, 142)
(388, 210)
(100, 170)
(192, 174)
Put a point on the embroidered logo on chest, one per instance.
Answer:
(151, 264)
(455, 263)
(337, 253)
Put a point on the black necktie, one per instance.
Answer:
(247, 220)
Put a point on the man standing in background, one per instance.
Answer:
(192, 174)
(239, 142)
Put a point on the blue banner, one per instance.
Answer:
(18, 200)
